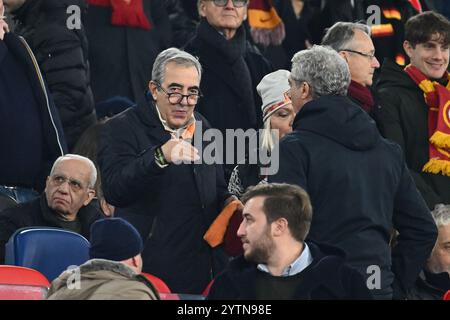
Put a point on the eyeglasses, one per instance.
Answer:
(236, 3)
(176, 97)
(59, 180)
(369, 56)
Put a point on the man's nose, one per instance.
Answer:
(375, 63)
(229, 4)
(241, 230)
(64, 187)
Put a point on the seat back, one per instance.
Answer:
(446, 296)
(47, 250)
(6, 202)
(19, 283)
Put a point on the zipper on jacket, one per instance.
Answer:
(41, 80)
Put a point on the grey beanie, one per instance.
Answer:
(273, 90)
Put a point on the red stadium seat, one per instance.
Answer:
(157, 282)
(19, 283)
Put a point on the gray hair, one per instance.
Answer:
(323, 69)
(176, 56)
(441, 214)
(340, 35)
(93, 170)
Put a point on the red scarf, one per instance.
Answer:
(127, 13)
(361, 94)
(437, 98)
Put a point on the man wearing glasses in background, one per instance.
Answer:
(64, 204)
(146, 158)
(233, 68)
(353, 43)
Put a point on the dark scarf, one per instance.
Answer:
(232, 52)
(125, 14)
(362, 95)
(438, 280)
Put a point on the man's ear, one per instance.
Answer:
(279, 227)
(343, 54)
(305, 90)
(91, 195)
(408, 48)
(153, 88)
(202, 9)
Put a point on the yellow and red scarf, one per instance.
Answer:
(437, 97)
(127, 13)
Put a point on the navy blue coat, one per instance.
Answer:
(26, 165)
(171, 207)
(360, 190)
(327, 277)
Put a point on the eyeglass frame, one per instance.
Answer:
(171, 94)
(233, 1)
(366, 55)
(75, 185)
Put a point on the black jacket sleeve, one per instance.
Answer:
(389, 124)
(417, 232)
(292, 164)
(126, 171)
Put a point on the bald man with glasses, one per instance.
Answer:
(65, 203)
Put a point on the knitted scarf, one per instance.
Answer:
(361, 94)
(266, 27)
(127, 13)
(437, 98)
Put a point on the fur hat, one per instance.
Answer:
(114, 239)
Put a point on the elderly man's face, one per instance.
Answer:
(13, 5)
(67, 188)
(177, 79)
(225, 19)
(361, 62)
(440, 256)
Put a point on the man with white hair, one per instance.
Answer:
(64, 204)
(359, 185)
(434, 281)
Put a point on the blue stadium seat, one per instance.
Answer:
(47, 250)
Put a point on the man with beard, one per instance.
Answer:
(277, 262)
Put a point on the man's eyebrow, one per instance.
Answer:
(174, 84)
(178, 85)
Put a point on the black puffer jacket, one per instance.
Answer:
(63, 58)
(403, 118)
